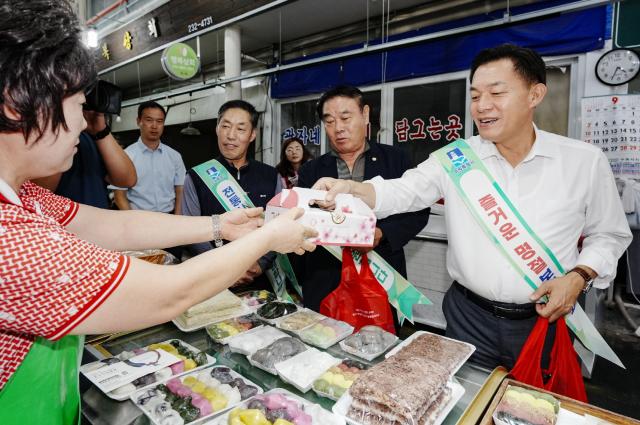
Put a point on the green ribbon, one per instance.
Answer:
(474, 182)
(230, 195)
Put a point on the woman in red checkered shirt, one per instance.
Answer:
(61, 275)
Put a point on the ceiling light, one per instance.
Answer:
(92, 38)
(190, 130)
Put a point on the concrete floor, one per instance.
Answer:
(611, 387)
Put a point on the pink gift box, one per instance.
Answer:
(352, 223)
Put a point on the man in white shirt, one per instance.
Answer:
(160, 168)
(563, 188)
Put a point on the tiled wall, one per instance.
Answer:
(427, 271)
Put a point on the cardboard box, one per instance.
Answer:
(352, 223)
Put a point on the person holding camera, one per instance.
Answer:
(100, 160)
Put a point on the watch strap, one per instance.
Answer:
(588, 280)
(102, 133)
(217, 230)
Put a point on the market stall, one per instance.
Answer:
(320, 374)
(289, 356)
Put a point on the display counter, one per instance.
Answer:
(99, 409)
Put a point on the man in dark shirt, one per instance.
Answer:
(236, 130)
(99, 161)
(352, 157)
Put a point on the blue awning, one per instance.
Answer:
(570, 33)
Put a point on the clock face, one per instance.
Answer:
(618, 66)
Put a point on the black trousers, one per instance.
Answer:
(498, 341)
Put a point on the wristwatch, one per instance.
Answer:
(588, 280)
(217, 230)
(102, 133)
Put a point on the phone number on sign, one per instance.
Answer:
(205, 22)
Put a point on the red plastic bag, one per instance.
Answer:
(565, 376)
(359, 300)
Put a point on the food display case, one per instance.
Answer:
(100, 409)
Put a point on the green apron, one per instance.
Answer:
(44, 388)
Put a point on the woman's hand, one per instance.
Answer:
(239, 222)
(287, 235)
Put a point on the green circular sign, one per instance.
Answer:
(180, 61)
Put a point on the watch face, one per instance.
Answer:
(618, 66)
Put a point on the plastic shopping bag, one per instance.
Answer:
(359, 300)
(564, 375)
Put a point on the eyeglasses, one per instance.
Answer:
(292, 149)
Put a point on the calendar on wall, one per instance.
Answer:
(613, 124)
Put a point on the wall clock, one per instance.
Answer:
(617, 66)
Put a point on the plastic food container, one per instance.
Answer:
(279, 404)
(192, 359)
(235, 312)
(521, 406)
(334, 382)
(341, 407)
(194, 396)
(254, 299)
(276, 352)
(299, 320)
(369, 342)
(272, 311)
(449, 353)
(303, 369)
(326, 332)
(252, 341)
(223, 331)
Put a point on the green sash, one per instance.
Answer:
(44, 388)
(511, 234)
(230, 195)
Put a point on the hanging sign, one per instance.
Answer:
(180, 61)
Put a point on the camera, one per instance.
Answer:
(104, 97)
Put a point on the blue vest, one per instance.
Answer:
(257, 179)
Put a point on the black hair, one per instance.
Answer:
(284, 167)
(150, 104)
(340, 91)
(526, 62)
(42, 62)
(240, 104)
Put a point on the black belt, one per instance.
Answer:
(498, 309)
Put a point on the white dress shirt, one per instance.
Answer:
(564, 188)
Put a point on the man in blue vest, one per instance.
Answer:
(236, 130)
